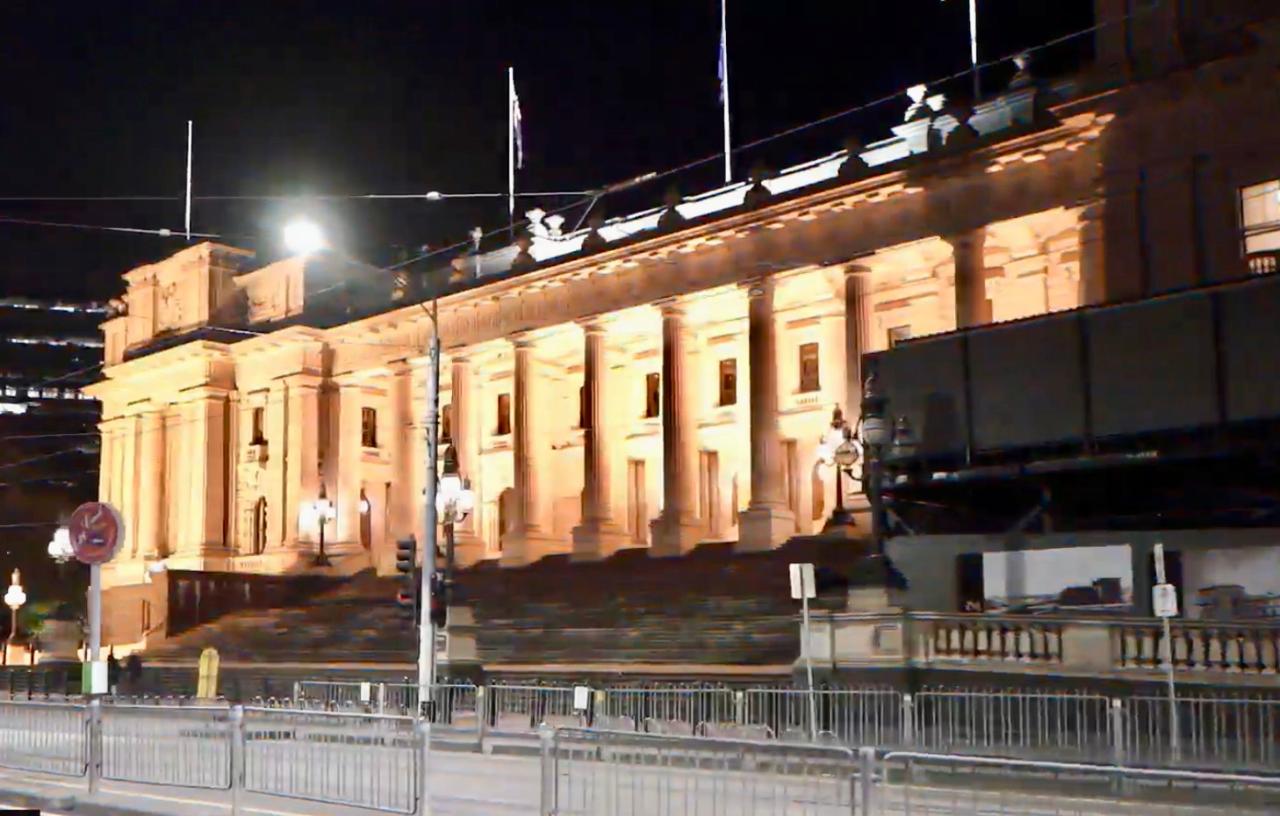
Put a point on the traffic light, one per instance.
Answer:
(407, 597)
(439, 601)
(406, 554)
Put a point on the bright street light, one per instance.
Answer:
(302, 236)
(60, 547)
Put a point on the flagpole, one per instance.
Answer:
(187, 209)
(511, 151)
(724, 92)
(973, 48)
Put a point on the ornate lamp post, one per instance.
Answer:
(839, 449)
(875, 436)
(325, 513)
(14, 598)
(454, 502)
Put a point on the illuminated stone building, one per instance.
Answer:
(662, 379)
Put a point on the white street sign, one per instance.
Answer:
(802, 583)
(1164, 600)
(581, 698)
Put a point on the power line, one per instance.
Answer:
(163, 232)
(430, 195)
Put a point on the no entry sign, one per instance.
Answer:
(96, 530)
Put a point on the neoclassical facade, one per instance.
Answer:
(656, 380)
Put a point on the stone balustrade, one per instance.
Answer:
(1092, 646)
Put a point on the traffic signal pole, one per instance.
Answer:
(426, 626)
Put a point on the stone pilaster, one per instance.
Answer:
(599, 535)
(301, 442)
(968, 255)
(857, 333)
(767, 521)
(148, 531)
(466, 444)
(1093, 276)
(344, 533)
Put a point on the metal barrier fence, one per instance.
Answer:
(362, 760)
(45, 737)
(846, 716)
(1217, 729)
(1026, 723)
(367, 760)
(916, 784)
(164, 745)
(1240, 732)
(665, 710)
(611, 773)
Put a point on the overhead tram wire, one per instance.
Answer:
(431, 195)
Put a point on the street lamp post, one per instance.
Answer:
(875, 436)
(454, 502)
(324, 512)
(839, 449)
(14, 598)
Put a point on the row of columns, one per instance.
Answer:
(766, 522)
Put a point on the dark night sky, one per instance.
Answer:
(293, 97)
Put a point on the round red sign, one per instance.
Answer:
(96, 530)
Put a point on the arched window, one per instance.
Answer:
(260, 526)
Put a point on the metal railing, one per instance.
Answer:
(365, 760)
(1217, 729)
(185, 746)
(362, 760)
(45, 737)
(916, 784)
(609, 773)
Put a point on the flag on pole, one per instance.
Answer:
(517, 135)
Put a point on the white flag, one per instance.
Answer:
(516, 133)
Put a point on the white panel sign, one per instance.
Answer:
(1164, 600)
(802, 583)
(581, 698)
(366, 692)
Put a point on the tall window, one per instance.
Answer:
(728, 382)
(504, 415)
(369, 427)
(652, 395)
(446, 424)
(898, 334)
(1260, 222)
(259, 431)
(809, 367)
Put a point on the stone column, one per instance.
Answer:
(149, 528)
(767, 521)
(968, 253)
(528, 540)
(857, 329)
(677, 528)
(204, 478)
(343, 535)
(301, 449)
(465, 443)
(599, 535)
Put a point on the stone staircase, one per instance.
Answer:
(710, 608)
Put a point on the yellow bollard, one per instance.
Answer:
(207, 687)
